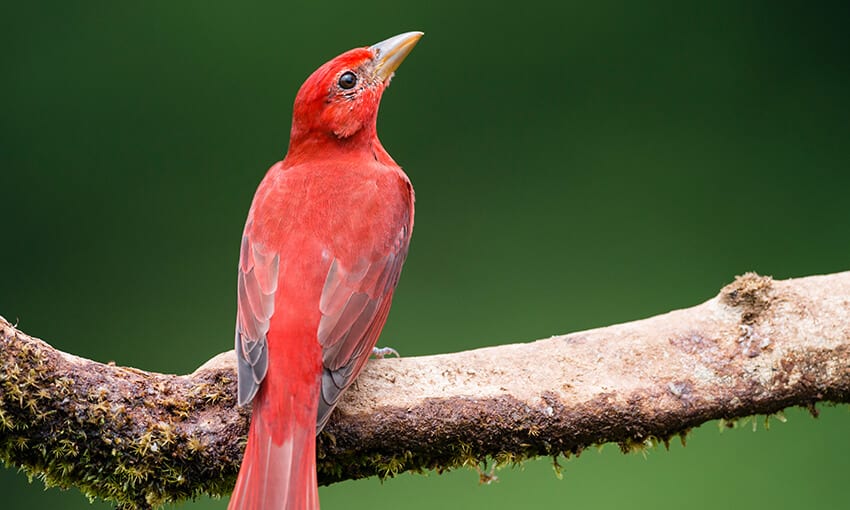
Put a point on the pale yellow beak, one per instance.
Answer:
(389, 54)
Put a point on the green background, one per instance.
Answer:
(576, 165)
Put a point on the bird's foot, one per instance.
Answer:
(383, 352)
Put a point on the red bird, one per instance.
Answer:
(322, 250)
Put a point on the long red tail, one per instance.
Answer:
(277, 476)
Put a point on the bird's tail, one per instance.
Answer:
(277, 476)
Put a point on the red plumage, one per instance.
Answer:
(322, 250)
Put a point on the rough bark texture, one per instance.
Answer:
(142, 439)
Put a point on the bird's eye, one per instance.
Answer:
(348, 80)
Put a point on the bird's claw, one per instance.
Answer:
(383, 352)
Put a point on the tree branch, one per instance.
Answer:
(142, 439)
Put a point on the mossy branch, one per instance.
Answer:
(142, 439)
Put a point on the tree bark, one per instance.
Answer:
(143, 439)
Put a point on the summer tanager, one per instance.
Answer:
(321, 254)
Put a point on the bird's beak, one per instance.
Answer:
(389, 54)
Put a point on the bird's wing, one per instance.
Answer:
(354, 305)
(257, 282)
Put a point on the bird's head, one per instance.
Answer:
(340, 99)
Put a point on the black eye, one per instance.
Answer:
(348, 80)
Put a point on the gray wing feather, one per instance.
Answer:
(354, 305)
(257, 283)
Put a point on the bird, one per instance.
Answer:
(322, 249)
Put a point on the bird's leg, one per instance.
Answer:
(383, 352)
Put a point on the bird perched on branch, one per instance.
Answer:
(322, 249)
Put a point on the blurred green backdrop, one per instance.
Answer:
(576, 165)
